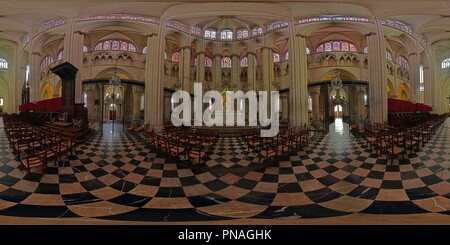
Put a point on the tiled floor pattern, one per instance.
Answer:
(116, 177)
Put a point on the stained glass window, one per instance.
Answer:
(388, 55)
(445, 64)
(107, 45)
(208, 62)
(210, 34)
(366, 50)
(98, 47)
(85, 49)
(344, 46)
(114, 45)
(276, 57)
(175, 57)
(226, 35)
(226, 62)
(319, 49)
(244, 62)
(46, 61)
(60, 55)
(144, 51)
(124, 46)
(336, 46)
(286, 56)
(3, 64)
(242, 34)
(402, 62)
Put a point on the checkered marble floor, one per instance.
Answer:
(116, 177)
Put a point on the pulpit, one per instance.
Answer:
(67, 72)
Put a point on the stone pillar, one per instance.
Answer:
(201, 66)
(360, 106)
(315, 93)
(377, 77)
(136, 105)
(217, 71)
(414, 76)
(235, 72)
(185, 68)
(35, 76)
(251, 70)
(73, 53)
(90, 91)
(284, 106)
(154, 80)
(298, 87)
(267, 67)
(429, 79)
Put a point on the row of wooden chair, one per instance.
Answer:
(33, 146)
(395, 141)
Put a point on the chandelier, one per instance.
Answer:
(336, 82)
(115, 81)
(276, 83)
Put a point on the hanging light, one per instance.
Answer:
(336, 82)
(276, 83)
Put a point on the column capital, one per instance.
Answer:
(80, 33)
(265, 47)
(151, 35)
(186, 47)
(89, 87)
(36, 53)
(314, 90)
(201, 52)
(412, 54)
(361, 88)
(301, 35)
(137, 89)
(219, 55)
(234, 55)
(369, 34)
(250, 53)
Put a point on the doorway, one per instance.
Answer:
(338, 111)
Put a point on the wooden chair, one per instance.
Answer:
(35, 159)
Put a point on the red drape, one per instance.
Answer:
(395, 105)
(53, 104)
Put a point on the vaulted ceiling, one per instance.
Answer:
(431, 18)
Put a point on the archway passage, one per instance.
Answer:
(338, 111)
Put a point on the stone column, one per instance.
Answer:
(315, 93)
(201, 66)
(217, 71)
(360, 106)
(154, 80)
(185, 67)
(298, 87)
(251, 70)
(136, 105)
(414, 76)
(35, 76)
(377, 77)
(73, 53)
(235, 72)
(284, 106)
(90, 91)
(267, 66)
(429, 79)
